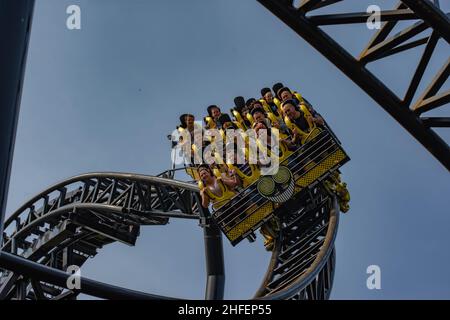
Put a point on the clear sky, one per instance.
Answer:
(104, 98)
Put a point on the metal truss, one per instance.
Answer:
(302, 264)
(424, 16)
(69, 222)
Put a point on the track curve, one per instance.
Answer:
(68, 222)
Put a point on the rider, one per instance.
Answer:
(258, 114)
(240, 113)
(286, 94)
(214, 113)
(285, 146)
(267, 99)
(217, 190)
(300, 121)
(187, 125)
(275, 88)
(187, 122)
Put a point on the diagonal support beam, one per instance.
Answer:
(361, 17)
(383, 33)
(362, 77)
(15, 30)
(59, 278)
(310, 5)
(404, 47)
(437, 122)
(38, 291)
(433, 88)
(8, 284)
(435, 102)
(428, 52)
(431, 13)
(390, 43)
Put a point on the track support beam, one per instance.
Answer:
(15, 28)
(215, 265)
(356, 71)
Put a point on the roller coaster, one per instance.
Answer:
(69, 222)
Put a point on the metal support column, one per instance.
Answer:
(15, 27)
(215, 266)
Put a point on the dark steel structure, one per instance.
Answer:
(15, 29)
(70, 221)
(425, 16)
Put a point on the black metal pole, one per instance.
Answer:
(215, 266)
(215, 269)
(431, 13)
(15, 27)
(383, 95)
(57, 277)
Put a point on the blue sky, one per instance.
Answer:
(103, 98)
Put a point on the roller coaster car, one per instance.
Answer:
(315, 161)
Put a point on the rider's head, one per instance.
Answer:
(214, 111)
(267, 95)
(289, 109)
(244, 112)
(258, 126)
(239, 103)
(226, 122)
(189, 119)
(276, 87)
(249, 102)
(258, 112)
(285, 94)
(204, 172)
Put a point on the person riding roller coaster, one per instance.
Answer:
(284, 148)
(301, 123)
(188, 125)
(273, 110)
(277, 99)
(212, 119)
(299, 120)
(268, 102)
(286, 94)
(258, 114)
(247, 173)
(187, 122)
(261, 111)
(236, 152)
(240, 112)
(216, 189)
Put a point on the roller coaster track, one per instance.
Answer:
(426, 20)
(69, 222)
